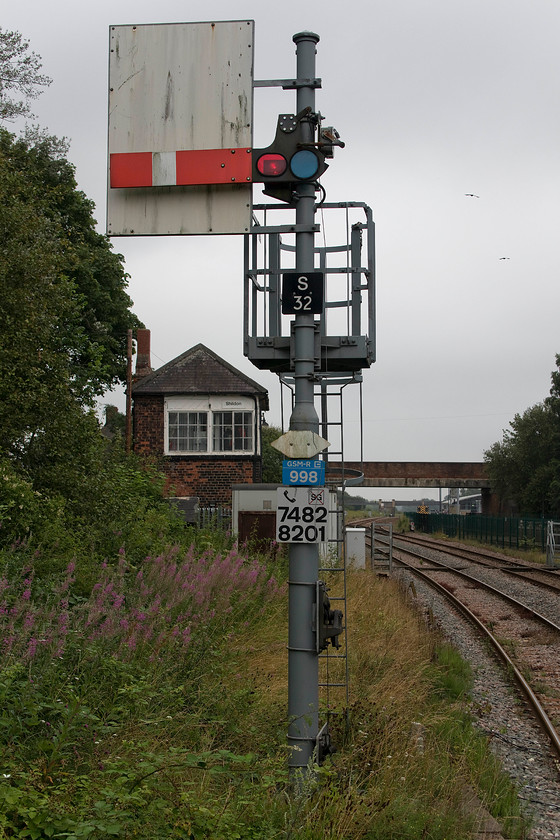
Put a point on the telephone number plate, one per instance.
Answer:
(301, 515)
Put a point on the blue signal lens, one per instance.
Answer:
(304, 164)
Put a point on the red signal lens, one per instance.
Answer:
(271, 165)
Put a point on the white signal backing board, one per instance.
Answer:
(180, 128)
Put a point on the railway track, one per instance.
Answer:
(533, 650)
(525, 639)
(545, 577)
(521, 724)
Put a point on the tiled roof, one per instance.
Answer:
(199, 371)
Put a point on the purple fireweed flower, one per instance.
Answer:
(29, 621)
(149, 609)
(253, 575)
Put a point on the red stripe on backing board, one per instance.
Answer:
(131, 169)
(214, 166)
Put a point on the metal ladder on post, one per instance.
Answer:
(334, 684)
(334, 681)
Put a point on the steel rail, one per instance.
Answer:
(483, 585)
(532, 699)
(472, 551)
(503, 565)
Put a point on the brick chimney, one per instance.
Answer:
(143, 362)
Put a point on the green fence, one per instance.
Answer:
(503, 531)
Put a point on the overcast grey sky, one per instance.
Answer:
(434, 100)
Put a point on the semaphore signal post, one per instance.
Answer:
(181, 162)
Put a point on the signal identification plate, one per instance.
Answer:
(303, 293)
(303, 472)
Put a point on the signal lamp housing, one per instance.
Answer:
(291, 159)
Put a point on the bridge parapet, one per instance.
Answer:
(418, 473)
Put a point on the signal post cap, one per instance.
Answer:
(300, 444)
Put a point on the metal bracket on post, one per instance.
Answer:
(288, 84)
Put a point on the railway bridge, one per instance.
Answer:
(441, 474)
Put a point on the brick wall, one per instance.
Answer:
(148, 425)
(210, 478)
(206, 476)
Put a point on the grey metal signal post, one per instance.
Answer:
(303, 664)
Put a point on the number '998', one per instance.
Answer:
(304, 476)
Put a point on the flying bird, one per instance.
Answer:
(472, 195)
(504, 258)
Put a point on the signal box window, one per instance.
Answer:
(233, 431)
(188, 431)
(194, 425)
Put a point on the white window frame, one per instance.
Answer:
(193, 429)
(214, 407)
(235, 426)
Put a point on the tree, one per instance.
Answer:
(553, 403)
(271, 458)
(64, 310)
(20, 72)
(64, 318)
(46, 179)
(525, 466)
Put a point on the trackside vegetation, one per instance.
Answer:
(144, 695)
(524, 467)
